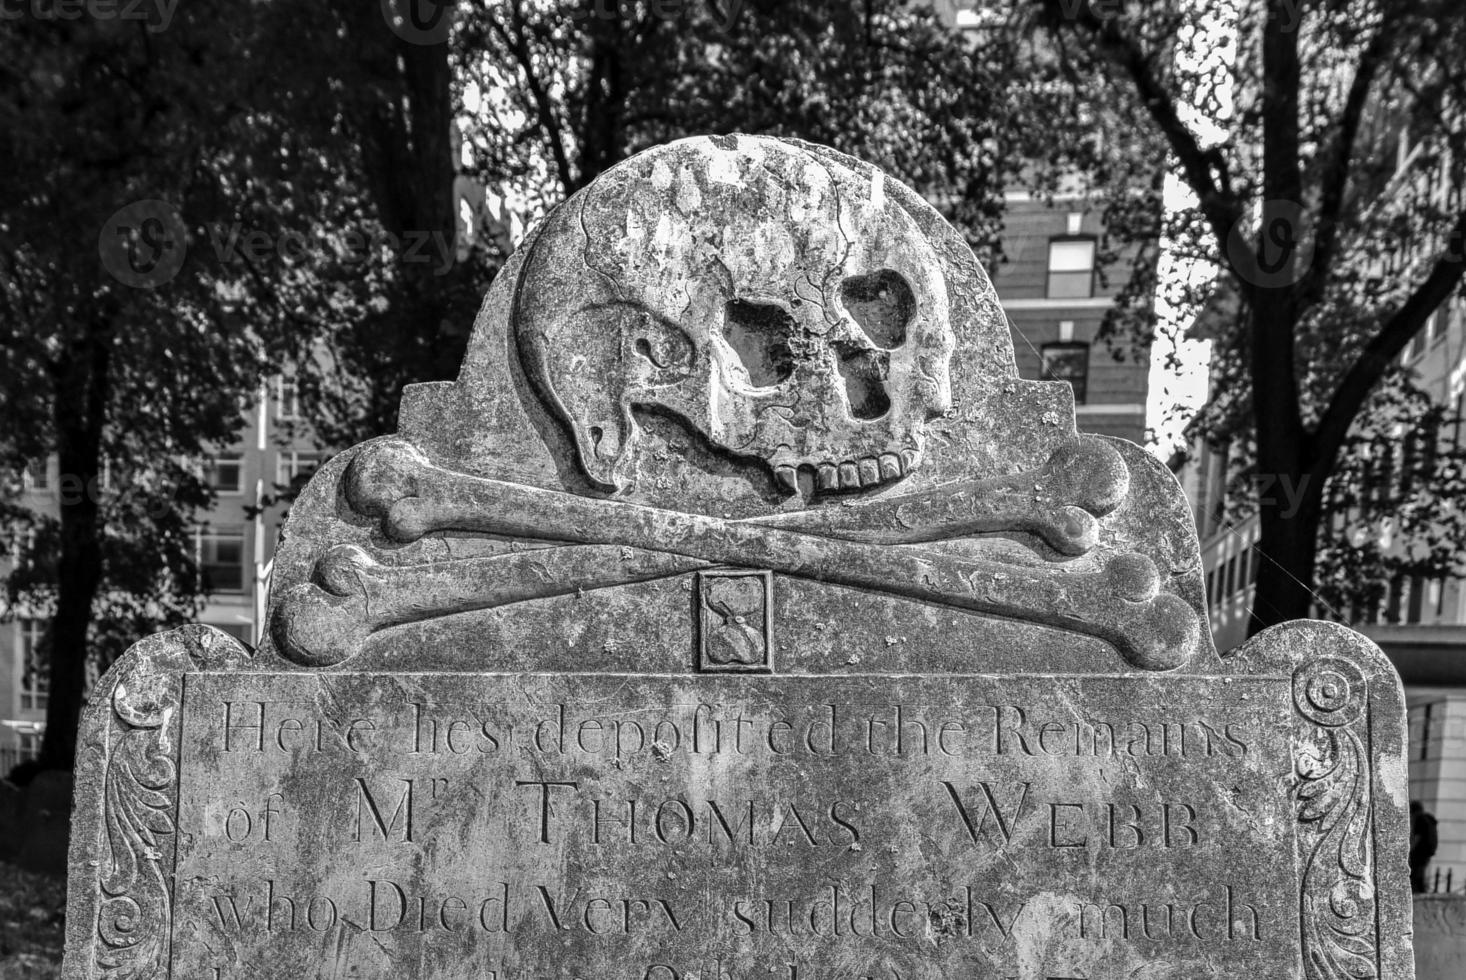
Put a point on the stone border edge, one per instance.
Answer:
(123, 826)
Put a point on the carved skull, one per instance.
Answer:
(776, 299)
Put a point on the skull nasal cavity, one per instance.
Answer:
(759, 333)
(882, 303)
(864, 371)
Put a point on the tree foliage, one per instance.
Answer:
(1321, 144)
(123, 383)
(557, 92)
(189, 207)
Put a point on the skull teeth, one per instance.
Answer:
(849, 474)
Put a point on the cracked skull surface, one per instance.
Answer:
(780, 302)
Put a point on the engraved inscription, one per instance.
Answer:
(630, 826)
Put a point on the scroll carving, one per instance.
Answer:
(134, 917)
(1335, 816)
(140, 786)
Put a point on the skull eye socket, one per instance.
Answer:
(882, 303)
(759, 334)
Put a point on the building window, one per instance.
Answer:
(225, 473)
(221, 559)
(38, 474)
(1071, 268)
(34, 680)
(287, 399)
(1425, 733)
(1067, 362)
(1394, 596)
(292, 469)
(1415, 599)
(30, 745)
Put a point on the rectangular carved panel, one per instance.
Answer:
(500, 826)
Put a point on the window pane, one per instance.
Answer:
(287, 403)
(1071, 269)
(225, 473)
(34, 679)
(1071, 285)
(1071, 256)
(1067, 362)
(293, 467)
(221, 560)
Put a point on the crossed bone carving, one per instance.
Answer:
(598, 543)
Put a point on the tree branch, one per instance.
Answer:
(544, 109)
(1383, 348)
(1197, 164)
(1336, 176)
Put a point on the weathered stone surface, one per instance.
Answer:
(739, 612)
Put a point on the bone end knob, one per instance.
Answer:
(409, 519)
(316, 628)
(1071, 531)
(1133, 578)
(1091, 473)
(338, 570)
(1163, 634)
(382, 474)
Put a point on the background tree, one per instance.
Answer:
(557, 92)
(1321, 143)
(189, 207)
(126, 365)
(371, 91)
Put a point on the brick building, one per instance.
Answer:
(1055, 305)
(1055, 300)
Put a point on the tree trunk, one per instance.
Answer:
(1287, 501)
(79, 406)
(1287, 551)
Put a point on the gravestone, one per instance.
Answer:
(739, 613)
